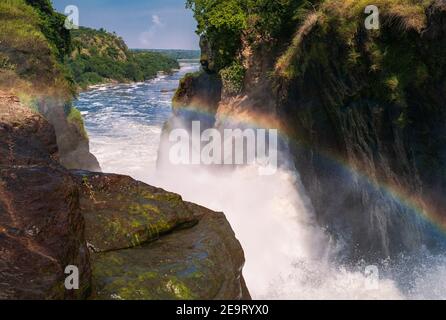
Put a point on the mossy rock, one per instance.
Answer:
(123, 213)
(202, 262)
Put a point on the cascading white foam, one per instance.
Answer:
(287, 253)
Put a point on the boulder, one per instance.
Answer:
(41, 233)
(72, 140)
(41, 227)
(149, 244)
(26, 137)
(122, 213)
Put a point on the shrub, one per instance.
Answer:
(223, 23)
(232, 78)
(30, 42)
(75, 117)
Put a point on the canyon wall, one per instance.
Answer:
(362, 111)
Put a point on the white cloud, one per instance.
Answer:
(157, 20)
(168, 28)
(147, 37)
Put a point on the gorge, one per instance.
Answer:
(270, 214)
(355, 209)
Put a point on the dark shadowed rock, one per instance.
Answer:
(41, 232)
(26, 137)
(41, 227)
(200, 91)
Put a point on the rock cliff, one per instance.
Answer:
(362, 110)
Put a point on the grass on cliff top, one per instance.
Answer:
(75, 117)
(407, 14)
(396, 60)
(29, 61)
(346, 18)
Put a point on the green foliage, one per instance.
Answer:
(221, 23)
(149, 63)
(74, 117)
(224, 23)
(218, 15)
(174, 53)
(52, 26)
(32, 46)
(184, 85)
(99, 56)
(274, 19)
(232, 78)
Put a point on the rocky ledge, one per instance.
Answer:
(129, 240)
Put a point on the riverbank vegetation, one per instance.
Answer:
(99, 56)
(176, 54)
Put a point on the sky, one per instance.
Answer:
(143, 24)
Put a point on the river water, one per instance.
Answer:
(287, 255)
(124, 122)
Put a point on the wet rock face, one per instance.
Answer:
(26, 137)
(149, 244)
(41, 232)
(41, 227)
(373, 165)
(367, 200)
(73, 144)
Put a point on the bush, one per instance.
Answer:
(75, 117)
(29, 43)
(232, 78)
(223, 23)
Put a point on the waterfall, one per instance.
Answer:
(288, 255)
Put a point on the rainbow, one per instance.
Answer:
(235, 113)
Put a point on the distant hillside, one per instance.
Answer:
(33, 43)
(34, 48)
(99, 56)
(176, 54)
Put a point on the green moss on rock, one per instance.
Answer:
(122, 213)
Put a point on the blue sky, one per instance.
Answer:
(145, 24)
